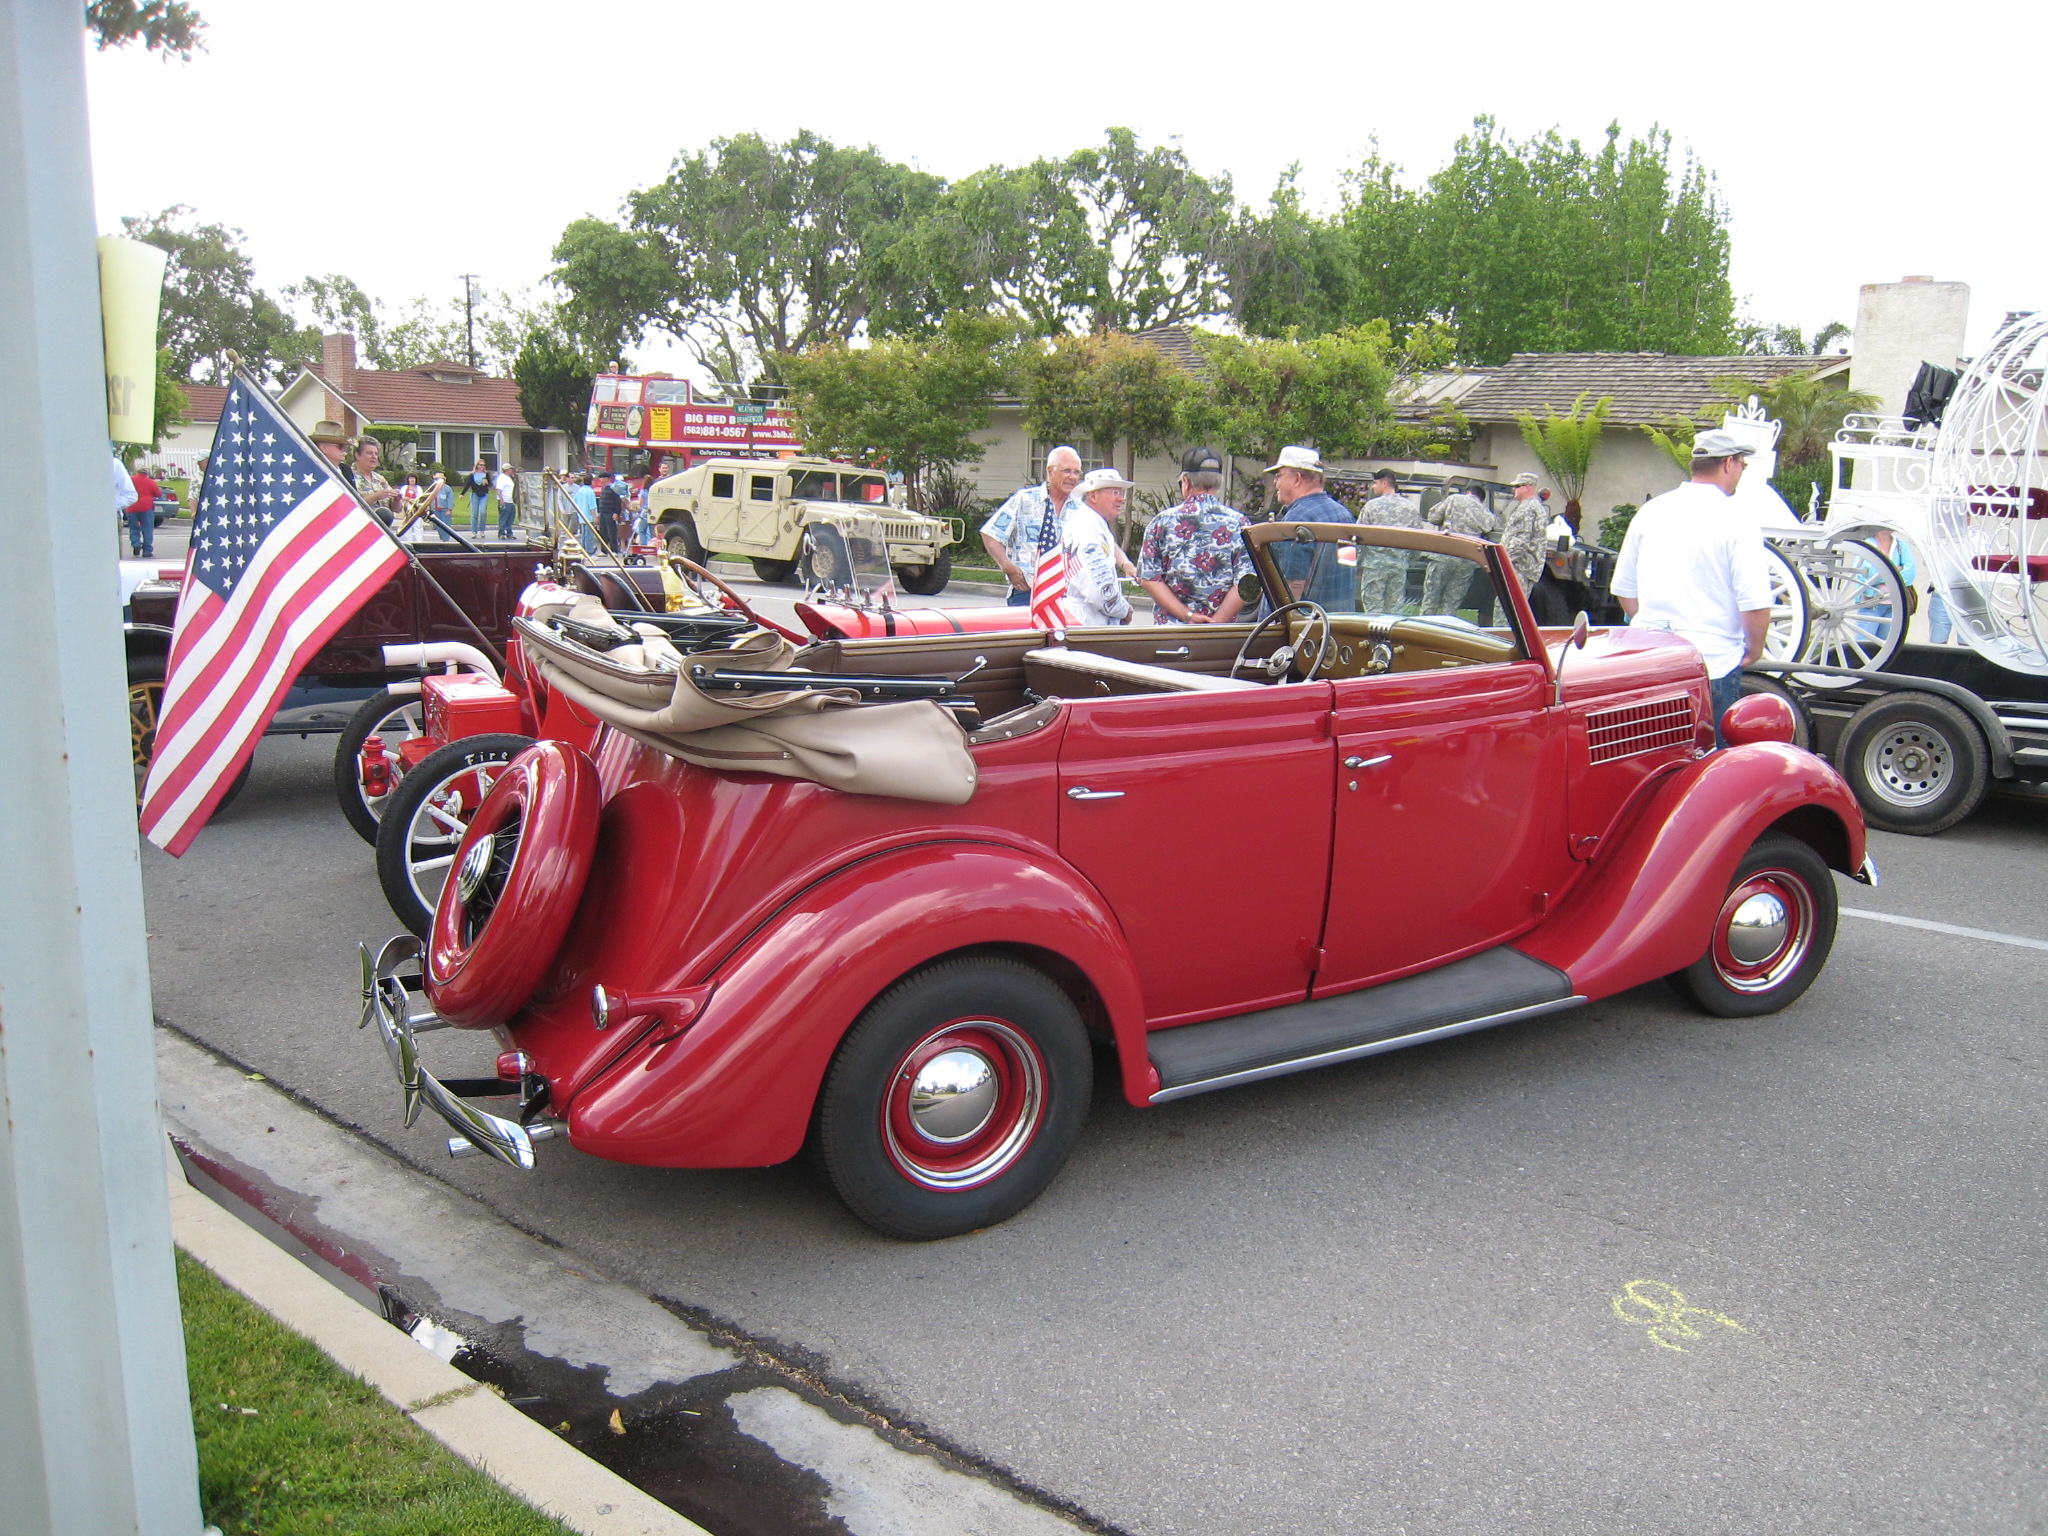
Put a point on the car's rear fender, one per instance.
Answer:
(736, 1087)
(1648, 904)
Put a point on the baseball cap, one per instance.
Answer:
(1201, 461)
(1102, 480)
(1293, 456)
(1720, 445)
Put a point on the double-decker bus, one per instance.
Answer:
(644, 426)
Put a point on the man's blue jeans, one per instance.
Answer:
(1018, 599)
(1726, 690)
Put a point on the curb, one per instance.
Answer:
(462, 1413)
(396, 1244)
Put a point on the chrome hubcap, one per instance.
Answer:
(953, 1096)
(1908, 766)
(1757, 930)
(475, 865)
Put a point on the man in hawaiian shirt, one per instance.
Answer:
(372, 489)
(1457, 511)
(1028, 524)
(1195, 553)
(1522, 535)
(1383, 573)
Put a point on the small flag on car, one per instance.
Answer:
(282, 556)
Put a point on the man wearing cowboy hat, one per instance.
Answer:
(1094, 594)
(1695, 565)
(329, 438)
(1298, 483)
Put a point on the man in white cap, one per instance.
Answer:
(1298, 483)
(1095, 595)
(1695, 565)
(1521, 533)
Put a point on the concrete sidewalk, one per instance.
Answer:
(711, 1427)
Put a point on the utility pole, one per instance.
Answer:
(469, 314)
(95, 1425)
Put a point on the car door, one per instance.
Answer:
(1204, 819)
(760, 509)
(1449, 823)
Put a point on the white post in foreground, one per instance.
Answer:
(95, 1426)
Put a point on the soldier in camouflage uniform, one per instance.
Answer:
(1522, 538)
(1458, 511)
(1383, 573)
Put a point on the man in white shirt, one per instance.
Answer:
(1695, 565)
(507, 492)
(1094, 593)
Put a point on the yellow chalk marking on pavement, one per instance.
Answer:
(1664, 1314)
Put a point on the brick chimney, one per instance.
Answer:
(338, 361)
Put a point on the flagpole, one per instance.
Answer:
(490, 647)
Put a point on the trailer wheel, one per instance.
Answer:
(1802, 722)
(1916, 763)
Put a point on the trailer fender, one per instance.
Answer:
(1648, 904)
(735, 1087)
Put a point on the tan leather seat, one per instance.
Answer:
(1055, 672)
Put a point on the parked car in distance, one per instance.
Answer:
(1218, 853)
(757, 510)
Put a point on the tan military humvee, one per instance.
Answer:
(758, 509)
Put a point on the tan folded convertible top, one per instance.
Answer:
(911, 750)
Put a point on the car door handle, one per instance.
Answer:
(1368, 762)
(1082, 792)
(1178, 650)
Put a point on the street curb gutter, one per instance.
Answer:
(462, 1413)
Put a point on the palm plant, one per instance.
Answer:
(1675, 438)
(1809, 411)
(1564, 445)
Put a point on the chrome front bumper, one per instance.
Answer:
(387, 1002)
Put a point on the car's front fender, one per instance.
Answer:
(735, 1089)
(1648, 905)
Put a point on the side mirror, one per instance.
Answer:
(1579, 632)
(1576, 643)
(1250, 589)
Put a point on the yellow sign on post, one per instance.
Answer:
(131, 292)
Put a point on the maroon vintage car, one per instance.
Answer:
(893, 897)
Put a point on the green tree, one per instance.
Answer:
(1809, 411)
(749, 252)
(171, 400)
(1109, 387)
(913, 403)
(1256, 395)
(211, 304)
(163, 26)
(1565, 445)
(1117, 236)
(554, 379)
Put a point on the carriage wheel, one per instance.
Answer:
(1856, 608)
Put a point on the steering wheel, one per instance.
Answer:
(1282, 663)
(688, 567)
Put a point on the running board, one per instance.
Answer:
(1497, 986)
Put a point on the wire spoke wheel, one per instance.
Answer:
(1856, 606)
(428, 815)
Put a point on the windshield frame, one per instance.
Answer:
(1262, 538)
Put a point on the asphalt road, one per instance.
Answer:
(1625, 1270)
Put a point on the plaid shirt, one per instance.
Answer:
(1197, 551)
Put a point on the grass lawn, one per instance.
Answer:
(291, 1443)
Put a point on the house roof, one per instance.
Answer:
(1648, 388)
(1178, 343)
(415, 397)
(204, 402)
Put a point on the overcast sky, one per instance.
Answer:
(406, 143)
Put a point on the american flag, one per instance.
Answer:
(1049, 576)
(282, 556)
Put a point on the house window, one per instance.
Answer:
(424, 451)
(458, 450)
(530, 449)
(1040, 447)
(487, 450)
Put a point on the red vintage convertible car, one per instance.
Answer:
(888, 897)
